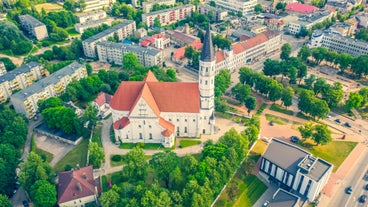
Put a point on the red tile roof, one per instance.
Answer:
(252, 42)
(169, 127)
(150, 77)
(121, 123)
(103, 98)
(76, 184)
(219, 56)
(179, 53)
(166, 96)
(301, 8)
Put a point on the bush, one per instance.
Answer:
(140, 145)
(116, 158)
(68, 167)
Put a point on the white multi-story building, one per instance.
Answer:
(91, 16)
(2, 69)
(81, 27)
(121, 30)
(294, 169)
(114, 52)
(34, 27)
(307, 21)
(98, 4)
(19, 78)
(147, 5)
(339, 43)
(243, 6)
(218, 14)
(250, 50)
(168, 16)
(25, 101)
(150, 111)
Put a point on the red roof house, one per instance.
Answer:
(301, 8)
(102, 103)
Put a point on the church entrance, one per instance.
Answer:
(204, 131)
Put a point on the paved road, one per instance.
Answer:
(355, 179)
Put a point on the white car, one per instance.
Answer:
(266, 203)
(266, 139)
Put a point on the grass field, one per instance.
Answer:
(142, 145)
(275, 107)
(71, 31)
(78, 155)
(257, 150)
(48, 7)
(334, 152)
(47, 156)
(276, 119)
(188, 143)
(96, 136)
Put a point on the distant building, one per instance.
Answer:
(98, 4)
(25, 101)
(179, 53)
(181, 38)
(339, 43)
(81, 27)
(91, 16)
(257, 29)
(140, 33)
(307, 21)
(112, 52)
(122, 31)
(344, 28)
(243, 6)
(274, 24)
(362, 19)
(2, 69)
(33, 26)
(158, 41)
(78, 187)
(147, 5)
(19, 78)
(168, 16)
(218, 14)
(294, 169)
(301, 8)
(102, 103)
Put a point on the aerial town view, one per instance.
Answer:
(184, 103)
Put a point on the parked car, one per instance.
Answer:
(266, 203)
(363, 198)
(349, 190)
(25, 204)
(294, 139)
(266, 139)
(347, 124)
(271, 123)
(366, 187)
(338, 121)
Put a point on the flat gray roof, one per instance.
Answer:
(92, 22)
(52, 79)
(130, 48)
(9, 76)
(31, 20)
(86, 14)
(108, 31)
(283, 199)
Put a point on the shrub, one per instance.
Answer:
(116, 158)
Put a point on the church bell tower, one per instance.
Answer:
(207, 73)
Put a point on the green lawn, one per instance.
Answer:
(275, 107)
(151, 146)
(276, 119)
(188, 143)
(78, 155)
(257, 150)
(71, 31)
(334, 152)
(122, 161)
(46, 156)
(96, 136)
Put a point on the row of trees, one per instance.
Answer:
(11, 38)
(185, 181)
(319, 133)
(357, 99)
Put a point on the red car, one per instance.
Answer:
(109, 184)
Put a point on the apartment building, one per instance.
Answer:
(114, 52)
(25, 101)
(294, 169)
(33, 27)
(344, 28)
(251, 49)
(91, 16)
(98, 4)
(19, 78)
(122, 31)
(2, 69)
(218, 14)
(243, 6)
(147, 5)
(169, 16)
(295, 25)
(81, 27)
(335, 41)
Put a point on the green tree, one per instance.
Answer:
(43, 194)
(355, 101)
(130, 61)
(258, 8)
(306, 130)
(362, 34)
(4, 201)
(285, 51)
(34, 169)
(110, 198)
(189, 51)
(96, 154)
(62, 118)
(271, 67)
(9, 65)
(213, 3)
(281, 6)
(304, 53)
(319, 54)
(321, 135)
(302, 72)
(136, 165)
(359, 65)
(344, 61)
(250, 102)
(222, 82)
(240, 92)
(287, 96)
(164, 163)
(156, 23)
(49, 103)
(90, 115)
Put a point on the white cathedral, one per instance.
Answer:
(150, 111)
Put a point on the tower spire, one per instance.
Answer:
(208, 53)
